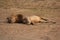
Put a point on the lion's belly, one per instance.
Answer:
(35, 19)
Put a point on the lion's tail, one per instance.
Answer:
(48, 21)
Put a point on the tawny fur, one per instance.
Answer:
(15, 18)
(19, 18)
(36, 19)
(33, 19)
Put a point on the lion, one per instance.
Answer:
(35, 19)
(18, 18)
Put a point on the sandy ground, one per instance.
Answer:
(41, 31)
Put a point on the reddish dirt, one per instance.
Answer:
(41, 31)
